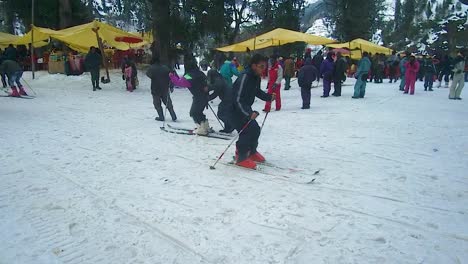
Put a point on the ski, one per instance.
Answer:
(192, 130)
(191, 133)
(22, 96)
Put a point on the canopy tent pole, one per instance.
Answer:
(360, 48)
(103, 54)
(32, 41)
(255, 40)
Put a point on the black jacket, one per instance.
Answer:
(340, 68)
(220, 88)
(9, 67)
(10, 53)
(244, 91)
(198, 81)
(159, 75)
(307, 74)
(93, 61)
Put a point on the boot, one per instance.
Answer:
(158, 118)
(21, 91)
(257, 157)
(247, 163)
(202, 129)
(14, 92)
(430, 89)
(173, 115)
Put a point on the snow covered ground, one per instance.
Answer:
(88, 177)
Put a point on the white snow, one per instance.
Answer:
(88, 177)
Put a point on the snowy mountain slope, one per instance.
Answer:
(88, 177)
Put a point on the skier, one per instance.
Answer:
(229, 69)
(93, 63)
(326, 71)
(307, 74)
(361, 75)
(429, 72)
(339, 73)
(195, 81)
(14, 73)
(288, 72)
(458, 76)
(275, 75)
(159, 75)
(412, 68)
(403, 70)
(245, 89)
(221, 89)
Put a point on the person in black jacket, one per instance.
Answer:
(10, 53)
(14, 72)
(93, 65)
(221, 89)
(159, 75)
(339, 73)
(245, 89)
(307, 74)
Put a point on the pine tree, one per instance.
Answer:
(397, 16)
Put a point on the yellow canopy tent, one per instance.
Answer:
(358, 46)
(82, 37)
(7, 39)
(276, 37)
(41, 36)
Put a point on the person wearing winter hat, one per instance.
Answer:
(411, 73)
(458, 77)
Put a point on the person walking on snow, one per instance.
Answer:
(245, 89)
(229, 69)
(326, 71)
(93, 64)
(361, 75)
(429, 72)
(403, 70)
(195, 81)
(458, 77)
(288, 72)
(339, 73)
(275, 75)
(412, 68)
(159, 75)
(14, 73)
(307, 75)
(392, 63)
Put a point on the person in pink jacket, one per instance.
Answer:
(412, 68)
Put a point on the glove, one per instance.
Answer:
(254, 115)
(123, 77)
(275, 86)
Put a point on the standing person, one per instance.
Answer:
(228, 70)
(339, 73)
(317, 62)
(245, 89)
(392, 63)
(361, 75)
(458, 76)
(411, 74)
(128, 62)
(307, 75)
(326, 71)
(93, 64)
(195, 81)
(429, 72)
(14, 73)
(275, 75)
(221, 89)
(2, 75)
(159, 75)
(403, 70)
(445, 69)
(288, 72)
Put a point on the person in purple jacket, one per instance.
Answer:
(326, 71)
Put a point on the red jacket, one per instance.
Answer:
(411, 70)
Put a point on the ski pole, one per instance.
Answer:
(264, 119)
(29, 86)
(216, 115)
(165, 109)
(234, 139)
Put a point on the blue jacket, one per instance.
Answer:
(364, 66)
(402, 66)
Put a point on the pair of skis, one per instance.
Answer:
(21, 96)
(191, 132)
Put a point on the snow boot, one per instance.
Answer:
(21, 91)
(202, 128)
(247, 163)
(14, 92)
(257, 157)
(159, 118)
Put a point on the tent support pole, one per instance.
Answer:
(103, 53)
(33, 66)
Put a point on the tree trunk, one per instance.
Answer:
(161, 30)
(65, 13)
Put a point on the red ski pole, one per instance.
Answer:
(222, 154)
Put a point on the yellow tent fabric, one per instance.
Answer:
(82, 37)
(360, 45)
(276, 37)
(7, 39)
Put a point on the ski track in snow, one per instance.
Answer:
(88, 177)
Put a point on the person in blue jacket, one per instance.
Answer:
(362, 74)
